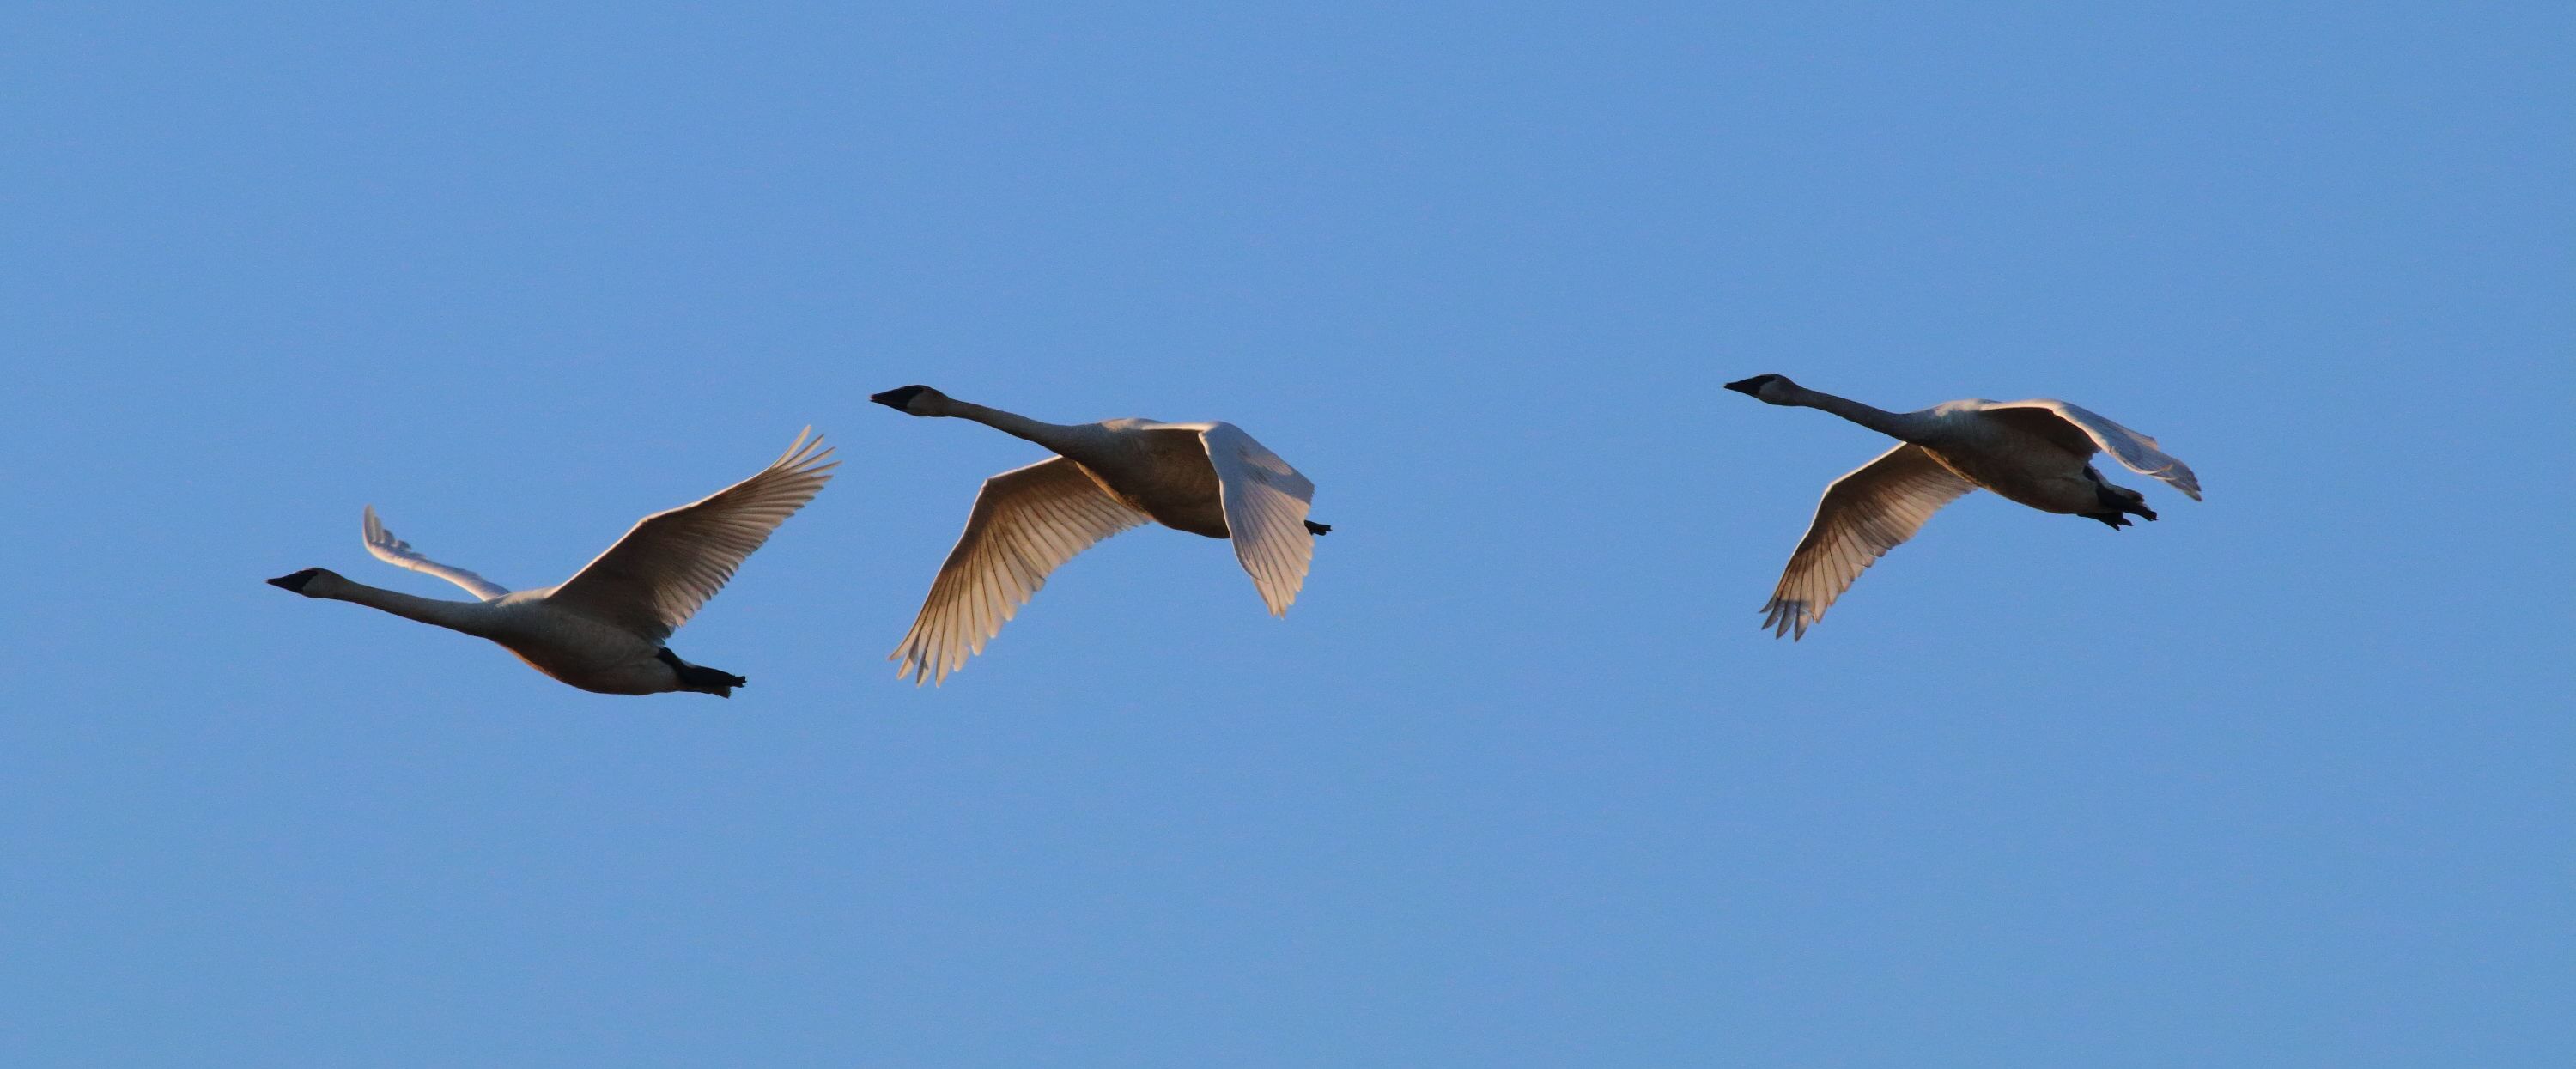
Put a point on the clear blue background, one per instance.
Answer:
(2281, 780)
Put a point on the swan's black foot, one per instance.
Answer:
(698, 677)
(1314, 528)
(2116, 499)
(2112, 519)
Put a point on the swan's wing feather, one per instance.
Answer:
(671, 562)
(1026, 523)
(2135, 451)
(1863, 515)
(1265, 513)
(396, 552)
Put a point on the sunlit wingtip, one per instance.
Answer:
(806, 449)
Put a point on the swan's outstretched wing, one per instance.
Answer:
(2134, 450)
(1265, 512)
(1026, 522)
(653, 579)
(1864, 514)
(396, 552)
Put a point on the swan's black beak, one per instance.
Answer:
(1747, 387)
(896, 398)
(295, 582)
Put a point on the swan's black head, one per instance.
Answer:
(900, 397)
(1752, 387)
(295, 582)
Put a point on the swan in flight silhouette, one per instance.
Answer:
(2037, 452)
(1204, 478)
(603, 629)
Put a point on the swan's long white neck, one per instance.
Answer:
(471, 617)
(1913, 427)
(1055, 436)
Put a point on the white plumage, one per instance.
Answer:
(1026, 522)
(1863, 515)
(1265, 511)
(603, 629)
(1209, 479)
(2036, 452)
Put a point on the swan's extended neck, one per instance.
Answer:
(470, 617)
(1056, 436)
(1907, 426)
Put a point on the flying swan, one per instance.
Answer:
(603, 629)
(1204, 478)
(2037, 452)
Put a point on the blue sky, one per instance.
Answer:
(2279, 780)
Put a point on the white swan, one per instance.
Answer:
(603, 629)
(1205, 478)
(2036, 452)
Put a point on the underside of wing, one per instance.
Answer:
(1026, 523)
(671, 562)
(396, 552)
(1863, 515)
(1265, 513)
(2133, 450)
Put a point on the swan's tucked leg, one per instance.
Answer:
(1314, 528)
(700, 678)
(2116, 500)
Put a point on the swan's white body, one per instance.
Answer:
(1208, 479)
(2037, 452)
(603, 629)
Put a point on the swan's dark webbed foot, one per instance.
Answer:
(2113, 519)
(2116, 500)
(700, 678)
(1314, 528)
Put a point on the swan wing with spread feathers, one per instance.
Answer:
(1026, 522)
(1265, 511)
(1863, 515)
(2135, 451)
(657, 576)
(396, 552)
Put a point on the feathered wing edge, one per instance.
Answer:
(667, 566)
(384, 546)
(1872, 509)
(1026, 523)
(2133, 450)
(1266, 502)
